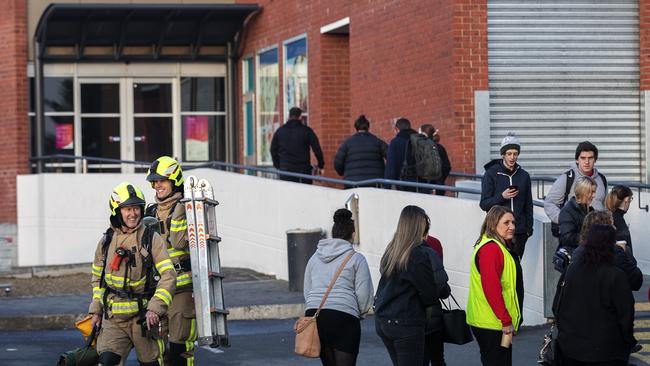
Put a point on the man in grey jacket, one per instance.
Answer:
(586, 156)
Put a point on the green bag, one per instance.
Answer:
(82, 356)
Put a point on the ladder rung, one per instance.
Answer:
(216, 275)
(219, 311)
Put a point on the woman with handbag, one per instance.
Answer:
(496, 288)
(595, 289)
(338, 291)
(406, 289)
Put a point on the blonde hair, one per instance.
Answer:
(583, 188)
(490, 223)
(413, 224)
(593, 218)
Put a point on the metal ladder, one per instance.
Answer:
(211, 313)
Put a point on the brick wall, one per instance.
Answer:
(14, 140)
(420, 59)
(470, 72)
(644, 44)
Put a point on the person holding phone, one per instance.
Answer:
(506, 183)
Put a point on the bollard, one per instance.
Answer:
(301, 245)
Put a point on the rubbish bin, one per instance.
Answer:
(301, 245)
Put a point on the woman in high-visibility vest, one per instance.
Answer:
(495, 288)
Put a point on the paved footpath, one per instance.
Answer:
(31, 336)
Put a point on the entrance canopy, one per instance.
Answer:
(139, 32)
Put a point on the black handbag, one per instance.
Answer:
(548, 354)
(455, 327)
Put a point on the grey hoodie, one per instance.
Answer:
(352, 293)
(555, 195)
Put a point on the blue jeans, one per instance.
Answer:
(405, 343)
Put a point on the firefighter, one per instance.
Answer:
(133, 283)
(166, 178)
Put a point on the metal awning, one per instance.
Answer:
(139, 32)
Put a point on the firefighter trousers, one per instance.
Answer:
(119, 336)
(182, 329)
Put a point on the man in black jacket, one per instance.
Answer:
(290, 148)
(505, 183)
(399, 151)
(362, 155)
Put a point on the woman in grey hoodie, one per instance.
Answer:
(338, 322)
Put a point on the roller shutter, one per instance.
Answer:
(563, 72)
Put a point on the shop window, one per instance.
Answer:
(203, 105)
(248, 83)
(58, 122)
(295, 76)
(268, 118)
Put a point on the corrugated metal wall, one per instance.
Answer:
(563, 72)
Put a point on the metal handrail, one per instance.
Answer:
(378, 182)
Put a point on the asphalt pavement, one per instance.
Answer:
(261, 342)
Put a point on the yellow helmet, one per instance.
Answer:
(166, 168)
(125, 194)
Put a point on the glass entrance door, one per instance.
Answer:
(126, 119)
(100, 122)
(151, 120)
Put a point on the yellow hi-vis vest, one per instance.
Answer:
(479, 312)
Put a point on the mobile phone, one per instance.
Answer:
(516, 188)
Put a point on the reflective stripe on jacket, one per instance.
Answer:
(175, 237)
(135, 280)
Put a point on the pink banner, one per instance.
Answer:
(64, 136)
(196, 128)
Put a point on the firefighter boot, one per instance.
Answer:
(109, 359)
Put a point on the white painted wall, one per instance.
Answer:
(61, 218)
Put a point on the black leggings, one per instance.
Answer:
(340, 335)
(489, 343)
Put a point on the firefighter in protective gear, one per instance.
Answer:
(166, 178)
(127, 302)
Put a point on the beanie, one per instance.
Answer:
(510, 142)
(586, 146)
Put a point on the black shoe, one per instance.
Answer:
(636, 348)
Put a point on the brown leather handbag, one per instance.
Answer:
(307, 340)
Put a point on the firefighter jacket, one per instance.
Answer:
(126, 285)
(174, 233)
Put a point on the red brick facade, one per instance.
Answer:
(14, 140)
(418, 59)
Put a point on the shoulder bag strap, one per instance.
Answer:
(336, 276)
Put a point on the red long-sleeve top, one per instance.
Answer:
(490, 261)
(435, 244)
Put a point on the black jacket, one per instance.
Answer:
(395, 156)
(361, 157)
(626, 263)
(596, 313)
(571, 217)
(440, 278)
(496, 180)
(405, 295)
(290, 147)
(446, 164)
(622, 230)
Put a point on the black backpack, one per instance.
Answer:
(428, 163)
(570, 177)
